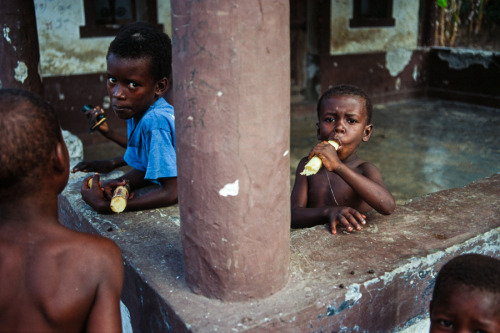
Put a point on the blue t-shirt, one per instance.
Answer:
(151, 142)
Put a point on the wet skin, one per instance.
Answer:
(467, 311)
(357, 185)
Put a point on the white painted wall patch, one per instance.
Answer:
(231, 189)
(396, 60)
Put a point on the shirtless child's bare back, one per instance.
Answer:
(53, 279)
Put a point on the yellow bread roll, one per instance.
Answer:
(314, 164)
(119, 200)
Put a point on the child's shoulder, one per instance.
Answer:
(94, 242)
(159, 116)
(85, 247)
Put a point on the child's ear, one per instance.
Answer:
(367, 132)
(161, 87)
(60, 166)
(61, 158)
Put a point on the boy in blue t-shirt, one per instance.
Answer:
(138, 71)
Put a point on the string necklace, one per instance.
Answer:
(331, 189)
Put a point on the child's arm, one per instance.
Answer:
(102, 166)
(104, 128)
(369, 186)
(367, 183)
(105, 314)
(99, 198)
(303, 217)
(165, 195)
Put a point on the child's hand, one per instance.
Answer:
(92, 115)
(349, 217)
(94, 195)
(110, 186)
(102, 166)
(328, 155)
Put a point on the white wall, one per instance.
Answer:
(62, 51)
(404, 35)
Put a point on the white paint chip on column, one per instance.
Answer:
(21, 72)
(231, 189)
(6, 31)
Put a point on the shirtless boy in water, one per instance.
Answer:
(346, 187)
(53, 279)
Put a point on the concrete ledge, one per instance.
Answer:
(376, 280)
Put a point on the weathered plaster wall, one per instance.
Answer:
(62, 51)
(465, 75)
(403, 35)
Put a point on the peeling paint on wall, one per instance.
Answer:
(415, 73)
(396, 60)
(361, 40)
(62, 51)
(21, 72)
(464, 58)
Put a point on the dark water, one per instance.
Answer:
(421, 146)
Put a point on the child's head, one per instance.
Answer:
(30, 134)
(142, 40)
(348, 90)
(344, 115)
(139, 65)
(466, 295)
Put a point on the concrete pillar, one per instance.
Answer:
(231, 66)
(19, 52)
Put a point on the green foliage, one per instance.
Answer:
(442, 3)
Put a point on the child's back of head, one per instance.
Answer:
(141, 40)
(30, 132)
(466, 295)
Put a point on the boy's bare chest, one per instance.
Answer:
(328, 189)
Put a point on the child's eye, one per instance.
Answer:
(330, 120)
(132, 85)
(351, 121)
(111, 80)
(445, 323)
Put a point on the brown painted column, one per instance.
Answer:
(19, 53)
(231, 65)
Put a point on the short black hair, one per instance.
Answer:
(141, 40)
(30, 132)
(348, 90)
(475, 271)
